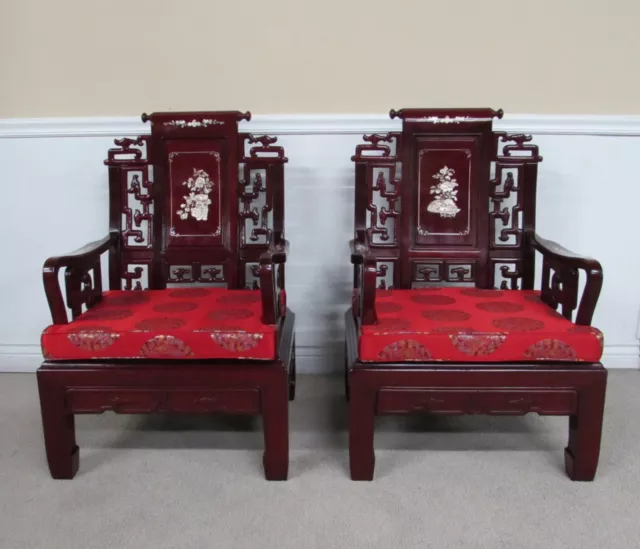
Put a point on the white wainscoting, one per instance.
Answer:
(55, 198)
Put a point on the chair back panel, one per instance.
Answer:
(195, 202)
(446, 202)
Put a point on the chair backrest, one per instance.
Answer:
(195, 202)
(447, 200)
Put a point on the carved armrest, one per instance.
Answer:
(80, 287)
(272, 280)
(562, 287)
(364, 285)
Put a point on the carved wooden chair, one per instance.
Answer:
(445, 318)
(196, 220)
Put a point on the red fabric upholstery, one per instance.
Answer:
(470, 325)
(185, 323)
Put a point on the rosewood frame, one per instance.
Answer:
(574, 390)
(189, 386)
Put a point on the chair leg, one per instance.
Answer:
(585, 431)
(58, 425)
(275, 416)
(361, 430)
(292, 374)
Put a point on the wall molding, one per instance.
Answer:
(308, 124)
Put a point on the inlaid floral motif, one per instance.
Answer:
(550, 349)
(477, 344)
(445, 194)
(197, 202)
(236, 342)
(194, 123)
(405, 350)
(165, 346)
(92, 339)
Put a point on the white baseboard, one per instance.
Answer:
(309, 124)
(310, 360)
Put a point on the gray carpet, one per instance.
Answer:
(196, 482)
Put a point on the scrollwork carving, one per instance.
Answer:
(127, 151)
(373, 146)
(521, 143)
(136, 274)
(265, 147)
(195, 272)
(507, 274)
(444, 271)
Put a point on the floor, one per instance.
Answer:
(196, 482)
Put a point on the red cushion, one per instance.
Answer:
(185, 323)
(470, 325)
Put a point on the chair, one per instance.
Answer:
(445, 318)
(197, 217)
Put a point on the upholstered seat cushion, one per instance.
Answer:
(185, 323)
(470, 325)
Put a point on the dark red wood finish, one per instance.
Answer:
(491, 244)
(240, 245)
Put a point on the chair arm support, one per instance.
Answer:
(276, 253)
(361, 255)
(272, 279)
(560, 259)
(81, 260)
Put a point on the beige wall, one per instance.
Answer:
(122, 57)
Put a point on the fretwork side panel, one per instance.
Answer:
(131, 213)
(378, 207)
(512, 207)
